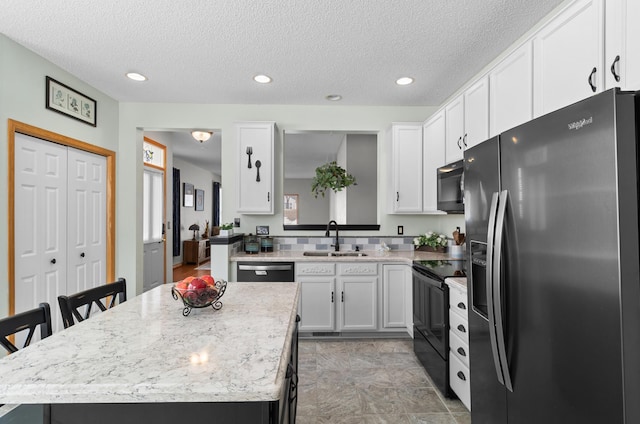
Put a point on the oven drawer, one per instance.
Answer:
(459, 326)
(459, 348)
(458, 301)
(459, 380)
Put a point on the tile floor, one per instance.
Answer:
(369, 381)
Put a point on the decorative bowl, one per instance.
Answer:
(200, 298)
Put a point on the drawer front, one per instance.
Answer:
(360, 268)
(459, 348)
(459, 380)
(458, 302)
(459, 326)
(315, 268)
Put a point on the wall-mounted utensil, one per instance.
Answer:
(249, 153)
(258, 165)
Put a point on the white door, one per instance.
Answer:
(358, 300)
(152, 228)
(255, 183)
(476, 113)
(455, 130)
(40, 224)
(407, 168)
(317, 303)
(395, 284)
(87, 224)
(622, 44)
(568, 57)
(433, 142)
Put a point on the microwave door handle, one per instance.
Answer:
(489, 282)
(497, 289)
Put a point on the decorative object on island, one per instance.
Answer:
(226, 230)
(67, 101)
(457, 249)
(187, 200)
(201, 136)
(431, 242)
(199, 292)
(199, 200)
(205, 234)
(249, 153)
(331, 176)
(194, 228)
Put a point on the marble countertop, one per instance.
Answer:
(460, 282)
(400, 256)
(144, 350)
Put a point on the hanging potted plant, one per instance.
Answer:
(331, 176)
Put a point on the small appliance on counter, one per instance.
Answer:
(266, 244)
(251, 244)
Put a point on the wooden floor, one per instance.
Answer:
(187, 270)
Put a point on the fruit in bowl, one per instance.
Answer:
(199, 292)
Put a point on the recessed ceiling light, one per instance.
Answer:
(262, 79)
(404, 81)
(136, 76)
(333, 97)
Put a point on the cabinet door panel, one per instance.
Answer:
(255, 195)
(565, 53)
(622, 44)
(476, 113)
(395, 285)
(455, 130)
(317, 303)
(433, 157)
(406, 144)
(358, 302)
(511, 91)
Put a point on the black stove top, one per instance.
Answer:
(441, 269)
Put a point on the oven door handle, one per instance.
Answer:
(497, 289)
(489, 282)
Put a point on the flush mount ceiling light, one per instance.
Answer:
(262, 79)
(136, 76)
(333, 97)
(404, 81)
(201, 136)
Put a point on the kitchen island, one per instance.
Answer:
(143, 361)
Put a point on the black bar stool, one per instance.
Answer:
(69, 305)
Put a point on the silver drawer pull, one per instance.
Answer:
(261, 272)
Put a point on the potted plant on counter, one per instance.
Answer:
(226, 230)
(431, 242)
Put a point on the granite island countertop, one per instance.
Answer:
(146, 351)
(398, 256)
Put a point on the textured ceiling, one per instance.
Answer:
(207, 51)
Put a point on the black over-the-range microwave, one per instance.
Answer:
(451, 187)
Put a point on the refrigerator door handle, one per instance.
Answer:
(497, 288)
(489, 281)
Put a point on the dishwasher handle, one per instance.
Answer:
(278, 267)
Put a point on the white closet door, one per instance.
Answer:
(40, 224)
(87, 245)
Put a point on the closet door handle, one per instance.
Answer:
(613, 68)
(590, 79)
(53, 261)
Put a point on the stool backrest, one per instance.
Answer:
(70, 305)
(40, 316)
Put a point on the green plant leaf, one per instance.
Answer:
(331, 176)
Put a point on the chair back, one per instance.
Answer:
(40, 316)
(70, 305)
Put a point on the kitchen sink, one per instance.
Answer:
(332, 254)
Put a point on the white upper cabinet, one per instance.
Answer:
(568, 57)
(622, 44)
(406, 166)
(433, 157)
(467, 120)
(255, 141)
(511, 90)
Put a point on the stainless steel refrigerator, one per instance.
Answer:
(551, 210)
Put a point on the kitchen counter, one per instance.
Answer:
(144, 351)
(400, 256)
(460, 282)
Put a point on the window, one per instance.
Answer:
(290, 209)
(152, 206)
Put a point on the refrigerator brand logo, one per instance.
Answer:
(581, 123)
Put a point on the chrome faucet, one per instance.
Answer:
(337, 245)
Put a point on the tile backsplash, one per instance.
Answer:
(346, 243)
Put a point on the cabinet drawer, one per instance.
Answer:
(459, 348)
(458, 301)
(459, 326)
(459, 380)
(360, 268)
(322, 268)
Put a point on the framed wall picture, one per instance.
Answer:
(187, 199)
(199, 200)
(67, 101)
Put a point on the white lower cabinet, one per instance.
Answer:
(354, 297)
(459, 343)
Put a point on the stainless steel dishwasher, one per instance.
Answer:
(266, 272)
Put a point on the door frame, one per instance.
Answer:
(162, 168)
(14, 127)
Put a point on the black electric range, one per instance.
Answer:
(441, 269)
